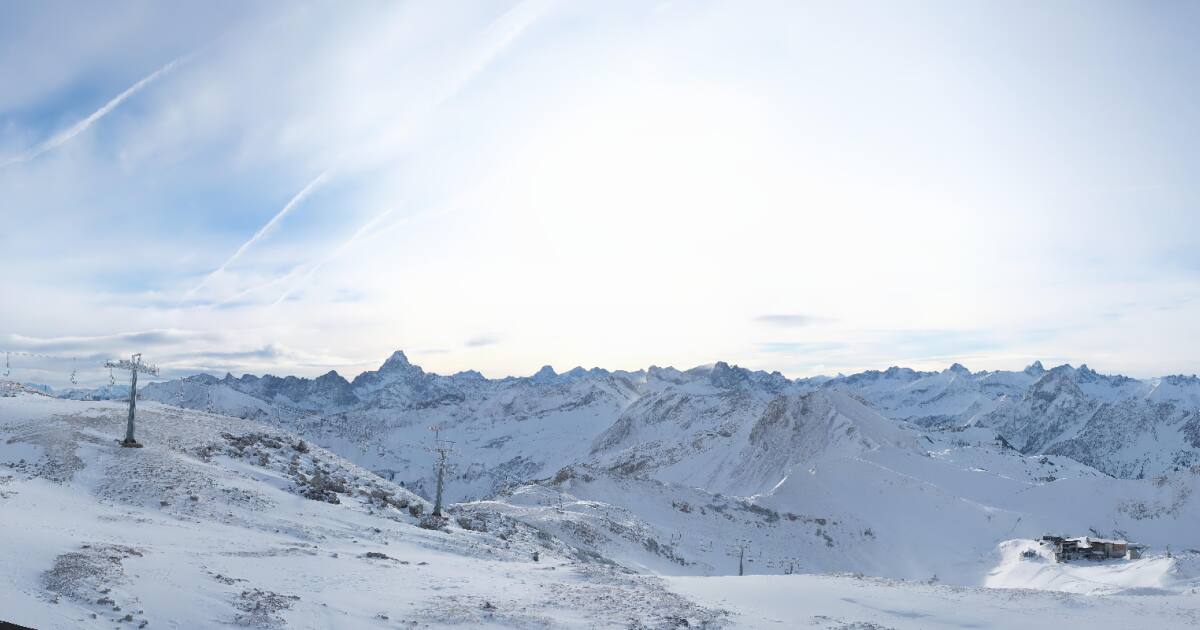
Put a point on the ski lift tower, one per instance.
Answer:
(738, 549)
(443, 449)
(134, 365)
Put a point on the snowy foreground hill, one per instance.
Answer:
(222, 522)
(225, 522)
(893, 499)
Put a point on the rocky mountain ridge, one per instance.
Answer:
(1122, 426)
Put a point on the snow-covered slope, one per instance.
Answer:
(739, 440)
(825, 484)
(668, 472)
(223, 522)
(855, 602)
(967, 497)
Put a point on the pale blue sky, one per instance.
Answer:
(809, 187)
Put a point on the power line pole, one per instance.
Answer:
(134, 365)
(443, 449)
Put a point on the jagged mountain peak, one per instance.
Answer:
(1062, 374)
(397, 362)
(667, 374)
(397, 368)
(207, 379)
(726, 376)
(1057, 380)
(899, 372)
(1086, 374)
(1034, 369)
(894, 373)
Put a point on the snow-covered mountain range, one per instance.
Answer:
(1125, 427)
(816, 464)
(929, 477)
(515, 429)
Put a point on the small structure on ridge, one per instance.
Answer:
(1090, 548)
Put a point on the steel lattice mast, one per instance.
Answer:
(134, 365)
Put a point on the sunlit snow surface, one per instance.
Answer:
(864, 603)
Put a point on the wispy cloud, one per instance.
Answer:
(316, 266)
(789, 320)
(482, 340)
(436, 158)
(269, 351)
(101, 343)
(65, 136)
(788, 347)
(504, 31)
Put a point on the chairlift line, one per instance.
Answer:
(37, 355)
(74, 373)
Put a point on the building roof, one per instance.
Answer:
(1088, 541)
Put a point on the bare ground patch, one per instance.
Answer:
(94, 575)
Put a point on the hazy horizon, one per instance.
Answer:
(562, 369)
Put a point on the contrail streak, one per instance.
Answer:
(502, 32)
(67, 134)
(292, 203)
(366, 227)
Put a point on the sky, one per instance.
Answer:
(809, 187)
